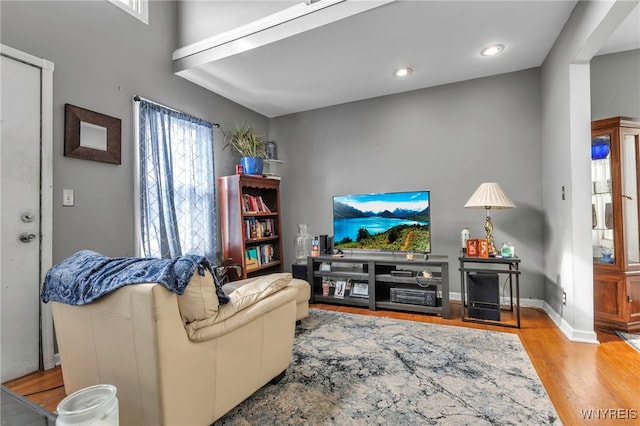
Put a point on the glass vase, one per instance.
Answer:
(302, 243)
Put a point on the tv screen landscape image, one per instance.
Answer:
(392, 221)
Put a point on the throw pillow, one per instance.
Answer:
(199, 300)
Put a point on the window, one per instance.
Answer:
(175, 189)
(137, 8)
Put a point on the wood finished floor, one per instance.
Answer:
(577, 376)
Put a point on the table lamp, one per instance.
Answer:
(489, 196)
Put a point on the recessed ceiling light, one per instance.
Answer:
(402, 72)
(492, 50)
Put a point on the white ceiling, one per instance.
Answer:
(325, 59)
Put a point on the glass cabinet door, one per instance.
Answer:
(602, 222)
(629, 162)
(615, 208)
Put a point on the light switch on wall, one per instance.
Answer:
(67, 197)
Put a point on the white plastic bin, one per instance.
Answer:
(94, 405)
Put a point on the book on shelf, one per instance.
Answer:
(266, 253)
(251, 259)
(259, 255)
(254, 204)
(259, 228)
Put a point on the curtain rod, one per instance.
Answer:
(140, 98)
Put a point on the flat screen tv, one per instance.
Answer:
(391, 221)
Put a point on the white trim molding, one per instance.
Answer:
(46, 190)
(583, 336)
(139, 9)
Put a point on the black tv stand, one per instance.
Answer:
(370, 283)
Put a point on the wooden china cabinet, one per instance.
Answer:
(615, 153)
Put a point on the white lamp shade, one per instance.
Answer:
(489, 196)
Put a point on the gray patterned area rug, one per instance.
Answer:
(350, 369)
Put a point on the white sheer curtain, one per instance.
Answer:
(175, 201)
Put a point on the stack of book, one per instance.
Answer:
(251, 204)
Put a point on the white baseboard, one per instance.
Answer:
(582, 336)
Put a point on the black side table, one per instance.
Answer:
(299, 270)
(481, 303)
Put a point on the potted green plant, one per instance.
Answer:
(250, 145)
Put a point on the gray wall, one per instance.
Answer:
(198, 20)
(615, 85)
(566, 132)
(448, 139)
(103, 57)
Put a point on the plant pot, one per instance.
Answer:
(252, 165)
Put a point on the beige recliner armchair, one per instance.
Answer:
(179, 360)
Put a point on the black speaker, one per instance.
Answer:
(484, 295)
(326, 243)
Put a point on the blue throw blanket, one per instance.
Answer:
(87, 276)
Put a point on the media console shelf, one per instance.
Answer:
(381, 281)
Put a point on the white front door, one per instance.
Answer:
(21, 160)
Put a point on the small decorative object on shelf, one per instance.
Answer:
(607, 257)
(341, 285)
(477, 247)
(608, 215)
(272, 150)
(483, 248)
(464, 236)
(326, 286)
(472, 247)
(599, 148)
(507, 250)
(360, 290)
(315, 246)
(249, 144)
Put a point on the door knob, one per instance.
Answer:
(25, 237)
(27, 217)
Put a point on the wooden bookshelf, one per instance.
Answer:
(250, 223)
